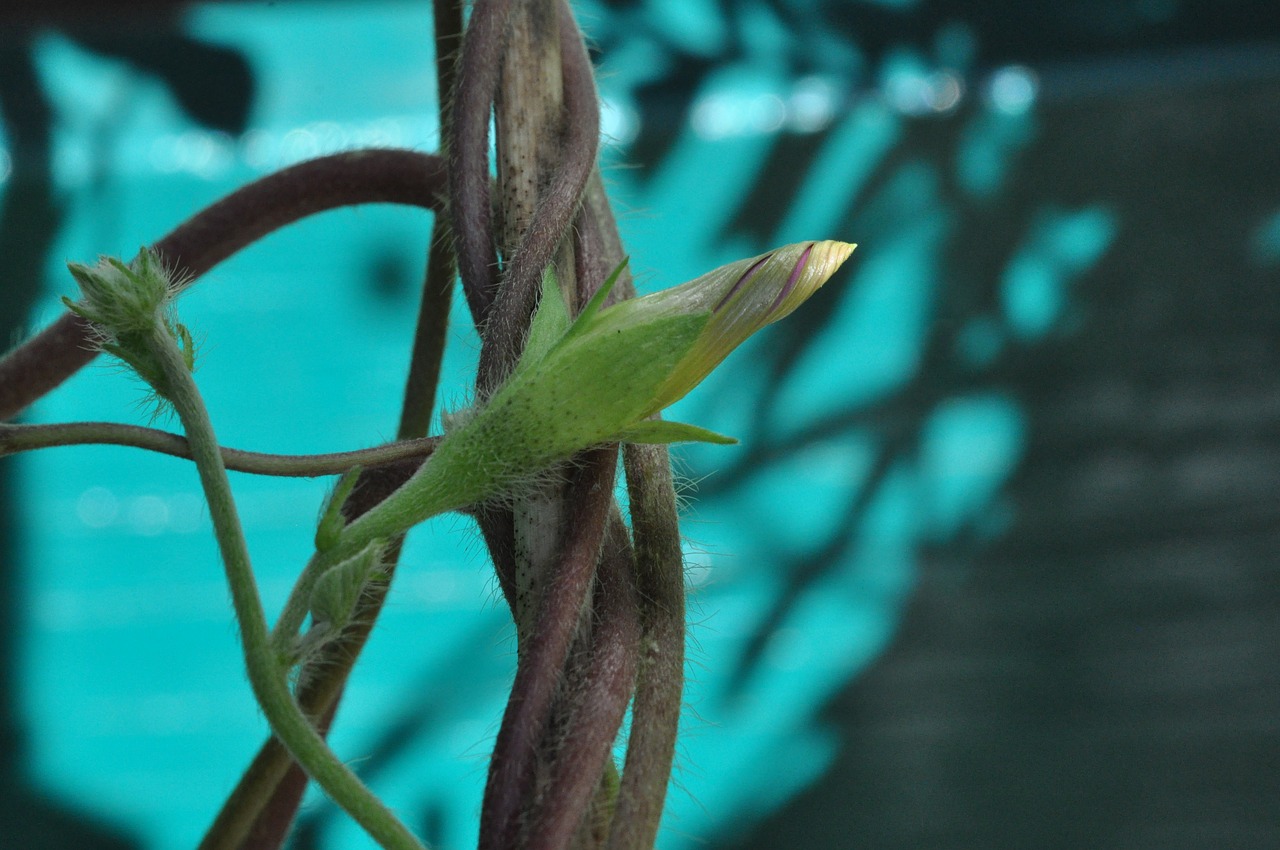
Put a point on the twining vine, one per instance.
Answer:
(574, 371)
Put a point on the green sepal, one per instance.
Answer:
(664, 431)
(587, 389)
(85, 311)
(551, 325)
(141, 361)
(83, 276)
(597, 301)
(550, 321)
(329, 529)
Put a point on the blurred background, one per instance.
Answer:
(996, 563)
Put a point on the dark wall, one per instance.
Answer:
(1106, 672)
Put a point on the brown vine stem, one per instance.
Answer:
(220, 230)
(599, 678)
(20, 438)
(659, 563)
(547, 118)
(599, 693)
(655, 712)
(538, 673)
(468, 150)
(659, 560)
(599, 245)
(442, 265)
(528, 121)
(429, 338)
(471, 216)
(577, 146)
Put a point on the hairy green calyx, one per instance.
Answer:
(128, 303)
(599, 379)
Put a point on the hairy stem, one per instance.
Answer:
(597, 697)
(660, 681)
(505, 328)
(469, 154)
(547, 119)
(323, 680)
(660, 589)
(599, 245)
(511, 770)
(442, 265)
(430, 336)
(267, 676)
(21, 438)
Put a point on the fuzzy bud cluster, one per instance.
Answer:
(128, 303)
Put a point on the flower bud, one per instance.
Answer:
(614, 368)
(745, 296)
(126, 305)
(122, 299)
(601, 378)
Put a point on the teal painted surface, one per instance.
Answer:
(135, 695)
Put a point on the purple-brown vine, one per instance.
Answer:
(609, 626)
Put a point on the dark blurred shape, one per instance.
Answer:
(32, 822)
(1105, 673)
(1003, 32)
(33, 13)
(30, 217)
(214, 85)
(29, 221)
(665, 104)
(391, 276)
(1011, 30)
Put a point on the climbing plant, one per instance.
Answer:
(573, 374)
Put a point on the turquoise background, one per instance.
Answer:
(132, 684)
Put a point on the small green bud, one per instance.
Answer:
(187, 344)
(336, 593)
(122, 299)
(127, 304)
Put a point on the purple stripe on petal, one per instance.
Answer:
(742, 280)
(793, 278)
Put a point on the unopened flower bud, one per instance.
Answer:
(744, 297)
(122, 299)
(600, 378)
(126, 305)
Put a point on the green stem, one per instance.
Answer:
(267, 814)
(266, 675)
(21, 438)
